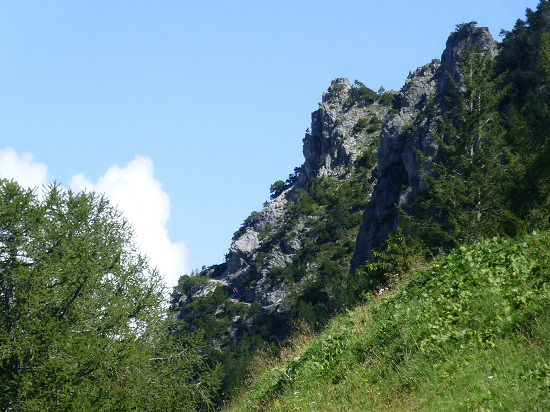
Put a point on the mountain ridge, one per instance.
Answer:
(390, 180)
(350, 121)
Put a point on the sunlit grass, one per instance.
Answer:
(471, 332)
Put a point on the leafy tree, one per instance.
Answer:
(82, 324)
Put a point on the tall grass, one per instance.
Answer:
(471, 332)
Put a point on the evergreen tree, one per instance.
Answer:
(524, 60)
(466, 196)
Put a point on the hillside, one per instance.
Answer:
(391, 180)
(405, 265)
(471, 332)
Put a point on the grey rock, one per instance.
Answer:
(332, 145)
(329, 149)
(403, 136)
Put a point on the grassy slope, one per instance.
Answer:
(472, 332)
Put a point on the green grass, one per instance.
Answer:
(471, 332)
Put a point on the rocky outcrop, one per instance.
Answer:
(344, 126)
(332, 145)
(334, 142)
(408, 136)
(348, 125)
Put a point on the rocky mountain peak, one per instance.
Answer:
(408, 136)
(336, 138)
(466, 34)
(346, 124)
(371, 139)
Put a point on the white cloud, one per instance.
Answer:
(135, 191)
(22, 168)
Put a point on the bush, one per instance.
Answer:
(367, 159)
(277, 188)
(386, 99)
(360, 125)
(361, 95)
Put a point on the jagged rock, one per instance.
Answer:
(333, 148)
(455, 46)
(332, 144)
(329, 149)
(408, 133)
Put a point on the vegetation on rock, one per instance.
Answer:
(449, 305)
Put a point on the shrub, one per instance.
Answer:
(360, 125)
(386, 99)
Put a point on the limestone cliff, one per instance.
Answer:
(409, 135)
(362, 143)
(331, 149)
(343, 130)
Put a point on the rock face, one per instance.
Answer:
(409, 132)
(332, 144)
(349, 123)
(331, 147)
(342, 129)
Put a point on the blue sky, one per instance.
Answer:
(197, 106)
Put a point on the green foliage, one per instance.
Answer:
(409, 128)
(480, 293)
(464, 27)
(361, 95)
(334, 85)
(544, 56)
(386, 266)
(374, 125)
(225, 351)
(179, 355)
(277, 188)
(462, 333)
(524, 62)
(82, 325)
(360, 125)
(386, 99)
(330, 213)
(468, 182)
(288, 274)
(189, 285)
(343, 201)
(370, 126)
(520, 53)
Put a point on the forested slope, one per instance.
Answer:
(458, 155)
(403, 265)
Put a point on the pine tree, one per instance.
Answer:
(524, 60)
(466, 184)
